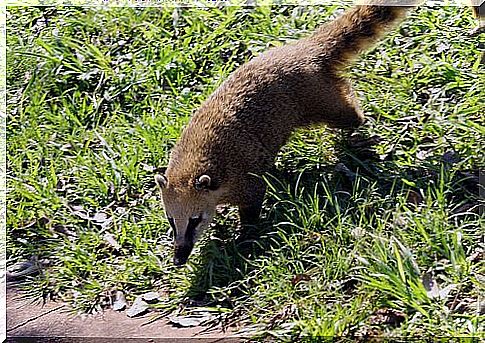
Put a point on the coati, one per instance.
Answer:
(479, 12)
(235, 135)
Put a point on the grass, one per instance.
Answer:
(380, 240)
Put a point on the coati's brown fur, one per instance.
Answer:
(479, 12)
(235, 135)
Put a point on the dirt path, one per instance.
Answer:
(55, 322)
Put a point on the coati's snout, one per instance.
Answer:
(189, 206)
(185, 235)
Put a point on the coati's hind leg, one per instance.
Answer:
(348, 118)
(345, 112)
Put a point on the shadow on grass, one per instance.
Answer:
(232, 254)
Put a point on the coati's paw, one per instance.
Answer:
(249, 216)
(247, 232)
(358, 141)
(363, 147)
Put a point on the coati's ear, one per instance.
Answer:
(161, 180)
(205, 182)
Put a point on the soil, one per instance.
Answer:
(54, 322)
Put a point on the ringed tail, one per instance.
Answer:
(357, 29)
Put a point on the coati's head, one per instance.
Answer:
(190, 204)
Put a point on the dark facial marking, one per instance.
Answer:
(182, 252)
(190, 232)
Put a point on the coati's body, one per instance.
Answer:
(236, 134)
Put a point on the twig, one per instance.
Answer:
(35, 318)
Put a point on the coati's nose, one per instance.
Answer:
(179, 262)
(181, 255)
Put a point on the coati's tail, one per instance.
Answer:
(355, 30)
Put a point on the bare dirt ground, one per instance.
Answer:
(53, 322)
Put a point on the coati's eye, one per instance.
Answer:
(192, 226)
(205, 182)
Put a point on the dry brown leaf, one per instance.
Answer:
(299, 278)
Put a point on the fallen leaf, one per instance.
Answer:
(477, 256)
(110, 238)
(432, 289)
(80, 212)
(175, 16)
(423, 154)
(387, 316)
(66, 147)
(100, 217)
(147, 167)
(121, 210)
(468, 305)
(414, 198)
(445, 292)
(299, 278)
(119, 304)
(466, 208)
(22, 269)
(358, 232)
(477, 31)
(151, 296)
(401, 220)
(42, 221)
(112, 189)
(190, 320)
(28, 225)
(481, 308)
(139, 307)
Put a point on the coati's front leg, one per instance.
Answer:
(249, 215)
(344, 111)
(251, 201)
(249, 212)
